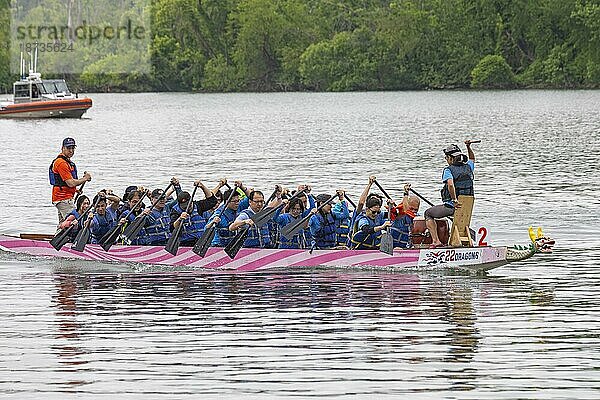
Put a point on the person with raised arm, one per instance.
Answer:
(457, 178)
(104, 216)
(257, 237)
(193, 222)
(366, 231)
(402, 217)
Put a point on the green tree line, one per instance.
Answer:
(352, 45)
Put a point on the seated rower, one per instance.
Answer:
(342, 220)
(104, 216)
(222, 220)
(81, 206)
(125, 216)
(293, 211)
(366, 232)
(257, 237)
(193, 222)
(402, 217)
(157, 229)
(322, 224)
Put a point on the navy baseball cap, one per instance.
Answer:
(68, 142)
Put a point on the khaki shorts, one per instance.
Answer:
(64, 207)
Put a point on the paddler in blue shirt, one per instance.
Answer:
(366, 231)
(257, 237)
(226, 214)
(322, 223)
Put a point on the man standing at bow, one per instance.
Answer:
(63, 178)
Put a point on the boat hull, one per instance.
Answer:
(71, 108)
(475, 259)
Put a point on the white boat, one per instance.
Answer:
(34, 97)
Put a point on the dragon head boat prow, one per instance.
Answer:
(541, 242)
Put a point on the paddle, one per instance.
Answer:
(111, 236)
(202, 244)
(421, 197)
(290, 230)
(79, 192)
(236, 244)
(383, 191)
(386, 243)
(349, 201)
(264, 215)
(133, 229)
(173, 242)
(62, 237)
(83, 237)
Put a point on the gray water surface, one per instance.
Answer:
(526, 330)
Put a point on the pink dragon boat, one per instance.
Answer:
(474, 259)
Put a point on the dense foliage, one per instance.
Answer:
(341, 45)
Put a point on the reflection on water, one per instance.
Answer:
(228, 330)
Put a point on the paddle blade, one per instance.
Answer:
(133, 230)
(263, 216)
(290, 230)
(236, 244)
(110, 238)
(81, 239)
(61, 238)
(173, 242)
(386, 245)
(202, 244)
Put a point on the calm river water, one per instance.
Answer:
(526, 330)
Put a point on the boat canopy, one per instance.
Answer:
(27, 90)
(51, 86)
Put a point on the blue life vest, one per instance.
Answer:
(207, 214)
(193, 227)
(101, 224)
(325, 237)
(298, 241)
(400, 230)
(257, 237)
(342, 222)
(362, 241)
(157, 229)
(462, 176)
(222, 233)
(54, 178)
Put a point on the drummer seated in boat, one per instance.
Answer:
(457, 178)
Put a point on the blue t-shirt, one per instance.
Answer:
(448, 175)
